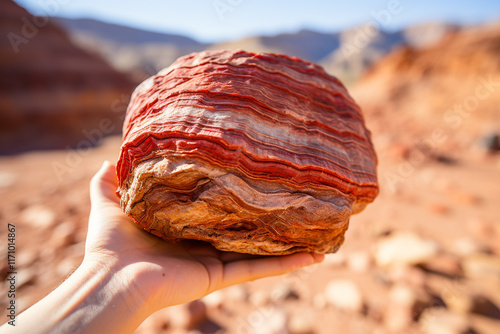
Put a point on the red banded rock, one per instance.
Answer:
(254, 153)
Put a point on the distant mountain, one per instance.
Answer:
(52, 93)
(358, 49)
(308, 45)
(143, 53)
(425, 35)
(363, 46)
(347, 54)
(138, 52)
(123, 34)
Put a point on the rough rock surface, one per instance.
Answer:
(255, 153)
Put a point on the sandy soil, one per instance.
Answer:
(454, 206)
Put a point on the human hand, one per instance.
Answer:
(127, 274)
(164, 273)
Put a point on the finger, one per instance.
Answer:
(104, 184)
(249, 270)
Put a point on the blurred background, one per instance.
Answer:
(423, 258)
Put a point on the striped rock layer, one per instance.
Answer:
(254, 153)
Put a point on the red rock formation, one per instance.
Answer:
(439, 93)
(52, 93)
(257, 153)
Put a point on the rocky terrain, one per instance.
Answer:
(52, 93)
(424, 258)
(440, 100)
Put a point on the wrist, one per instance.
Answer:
(108, 298)
(96, 298)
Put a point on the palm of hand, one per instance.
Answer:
(169, 273)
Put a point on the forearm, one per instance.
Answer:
(95, 299)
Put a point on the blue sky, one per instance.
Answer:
(222, 20)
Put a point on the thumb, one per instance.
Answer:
(103, 185)
(105, 205)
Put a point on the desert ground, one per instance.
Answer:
(423, 258)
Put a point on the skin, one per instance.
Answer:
(128, 274)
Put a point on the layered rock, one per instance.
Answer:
(52, 93)
(257, 153)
